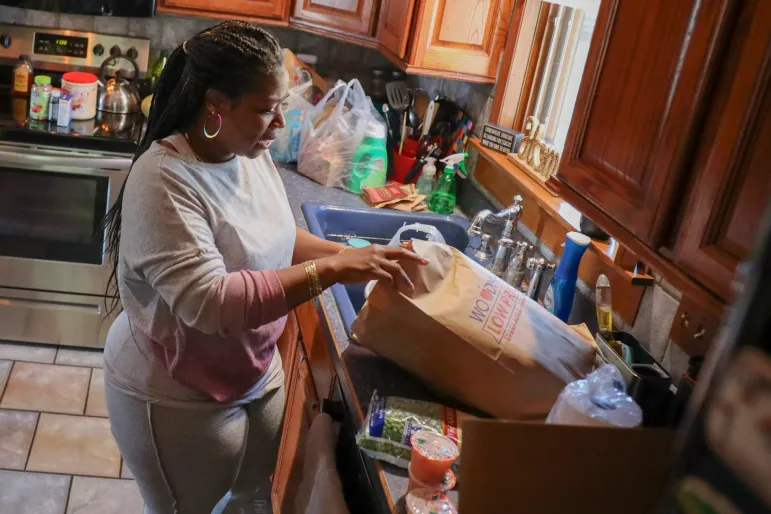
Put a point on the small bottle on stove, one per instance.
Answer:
(22, 77)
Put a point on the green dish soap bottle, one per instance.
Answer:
(442, 200)
(370, 161)
(158, 66)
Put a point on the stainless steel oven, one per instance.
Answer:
(53, 266)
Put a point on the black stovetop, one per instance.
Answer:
(106, 132)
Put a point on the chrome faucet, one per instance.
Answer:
(539, 267)
(509, 217)
(518, 265)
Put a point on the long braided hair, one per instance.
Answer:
(230, 57)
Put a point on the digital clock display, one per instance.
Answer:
(64, 46)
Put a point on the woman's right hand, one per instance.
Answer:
(374, 262)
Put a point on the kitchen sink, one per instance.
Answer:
(377, 226)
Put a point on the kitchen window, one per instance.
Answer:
(547, 63)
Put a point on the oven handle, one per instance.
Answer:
(119, 163)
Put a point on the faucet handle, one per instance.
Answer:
(517, 200)
(483, 253)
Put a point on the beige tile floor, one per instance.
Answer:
(57, 455)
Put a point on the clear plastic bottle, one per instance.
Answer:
(40, 98)
(425, 183)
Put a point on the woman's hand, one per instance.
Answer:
(373, 262)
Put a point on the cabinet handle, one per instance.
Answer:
(303, 358)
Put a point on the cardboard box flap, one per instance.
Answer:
(533, 468)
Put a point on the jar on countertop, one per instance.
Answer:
(84, 89)
(22, 77)
(40, 98)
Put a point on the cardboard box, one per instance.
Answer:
(531, 468)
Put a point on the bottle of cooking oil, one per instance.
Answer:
(605, 312)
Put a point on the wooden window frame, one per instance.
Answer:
(522, 63)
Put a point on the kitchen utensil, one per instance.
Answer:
(421, 159)
(404, 131)
(118, 95)
(428, 118)
(420, 101)
(398, 95)
(387, 120)
(413, 121)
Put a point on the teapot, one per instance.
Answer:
(118, 95)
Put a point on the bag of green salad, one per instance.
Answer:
(392, 420)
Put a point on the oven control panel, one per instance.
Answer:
(55, 44)
(68, 50)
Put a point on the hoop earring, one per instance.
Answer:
(206, 132)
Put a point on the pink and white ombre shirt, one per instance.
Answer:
(203, 306)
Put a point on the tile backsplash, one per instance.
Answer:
(336, 59)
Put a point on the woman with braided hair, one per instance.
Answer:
(208, 262)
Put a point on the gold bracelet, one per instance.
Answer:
(314, 282)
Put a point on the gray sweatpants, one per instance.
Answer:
(189, 461)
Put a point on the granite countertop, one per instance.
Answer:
(367, 371)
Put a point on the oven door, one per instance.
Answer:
(52, 203)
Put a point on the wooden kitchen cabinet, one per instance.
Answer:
(668, 146)
(393, 29)
(302, 406)
(459, 39)
(267, 10)
(308, 378)
(637, 106)
(732, 162)
(354, 17)
(463, 36)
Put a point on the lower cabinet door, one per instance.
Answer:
(296, 424)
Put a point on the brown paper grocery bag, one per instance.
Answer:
(468, 334)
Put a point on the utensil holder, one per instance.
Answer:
(402, 166)
(650, 389)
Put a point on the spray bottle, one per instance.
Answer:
(442, 200)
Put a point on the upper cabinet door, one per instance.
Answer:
(260, 8)
(640, 99)
(732, 184)
(393, 30)
(464, 36)
(347, 16)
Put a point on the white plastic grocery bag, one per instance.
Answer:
(333, 131)
(286, 147)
